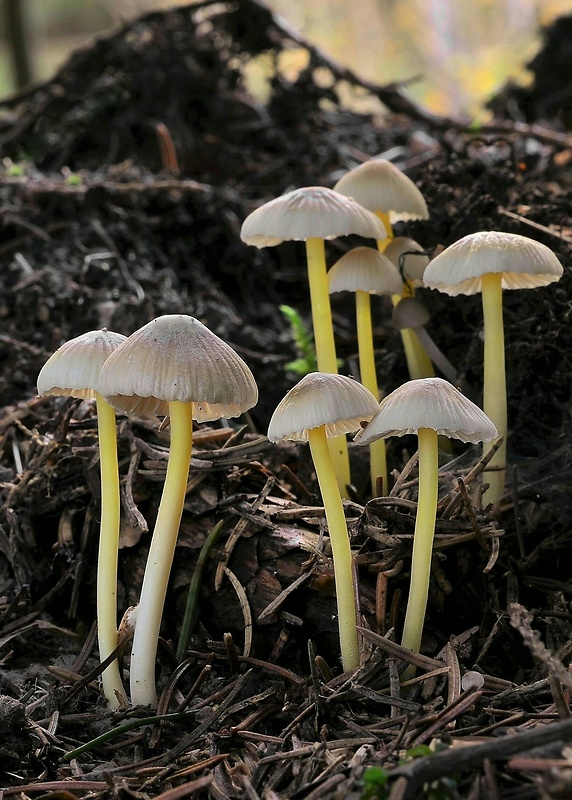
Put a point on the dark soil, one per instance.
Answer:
(123, 188)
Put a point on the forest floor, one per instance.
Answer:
(123, 187)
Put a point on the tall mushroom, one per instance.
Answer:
(488, 262)
(384, 189)
(321, 406)
(427, 407)
(73, 371)
(313, 214)
(366, 271)
(173, 365)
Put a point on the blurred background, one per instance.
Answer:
(451, 55)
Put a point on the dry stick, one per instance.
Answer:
(430, 768)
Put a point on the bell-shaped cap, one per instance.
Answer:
(428, 403)
(523, 262)
(177, 358)
(312, 212)
(410, 313)
(364, 269)
(74, 369)
(338, 403)
(409, 257)
(381, 186)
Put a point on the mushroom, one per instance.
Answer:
(318, 407)
(365, 271)
(428, 407)
(73, 371)
(173, 365)
(410, 259)
(313, 214)
(488, 262)
(384, 189)
(411, 313)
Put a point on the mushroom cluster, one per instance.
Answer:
(172, 366)
(176, 368)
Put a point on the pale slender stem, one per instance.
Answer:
(325, 345)
(368, 374)
(494, 384)
(422, 539)
(341, 551)
(160, 558)
(108, 552)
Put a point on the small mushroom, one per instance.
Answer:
(313, 214)
(488, 262)
(366, 271)
(384, 189)
(411, 313)
(173, 365)
(410, 259)
(73, 371)
(321, 406)
(428, 407)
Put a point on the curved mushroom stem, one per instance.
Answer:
(377, 458)
(494, 383)
(160, 558)
(341, 551)
(436, 355)
(108, 552)
(325, 345)
(422, 542)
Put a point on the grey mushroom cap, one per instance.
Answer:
(364, 269)
(74, 369)
(428, 403)
(307, 213)
(337, 402)
(177, 358)
(381, 186)
(410, 313)
(523, 262)
(409, 257)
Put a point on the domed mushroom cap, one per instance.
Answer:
(335, 401)
(364, 269)
(409, 313)
(523, 262)
(381, 186)
(306, 213)
(402, 252)
(74, 369)
(428, 403)
(176, 357)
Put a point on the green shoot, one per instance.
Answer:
(303, 342)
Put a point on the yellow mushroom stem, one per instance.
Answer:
(422, 541)
(368, 374)
(418, 362)
(325, 345)
(494, 383)
(384, 217)
(160, 558)
(107, 555)
(341, 551)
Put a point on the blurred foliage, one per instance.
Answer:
(452, 55)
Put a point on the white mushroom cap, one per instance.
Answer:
(176, 357)
(523, 262)
(428, 403)
(364, 269)
(413, 266)
(381, 186)
(306, 213)
(320, 398)
(73, 370)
